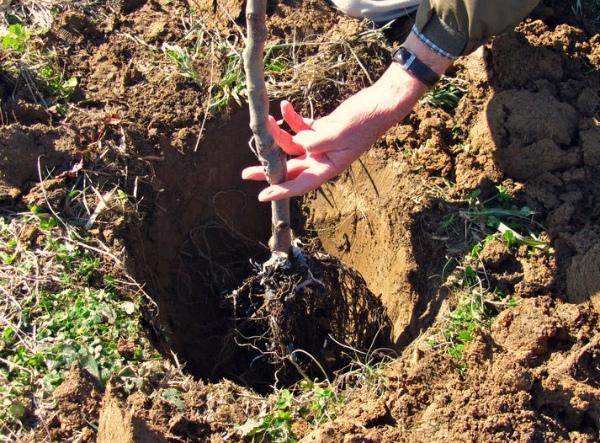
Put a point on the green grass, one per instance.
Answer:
(316, 402)
(60, 307)
(313, 402)
(291, 68)
(276, 426)
(500, 218)
(182, 59)
(38, 68)
(231, 84)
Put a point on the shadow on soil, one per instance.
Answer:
(196, 241)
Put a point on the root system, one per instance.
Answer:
(303, 319)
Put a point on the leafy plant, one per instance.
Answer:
(499, 219)
(469, 315)
(276, 427)
(446, 95)
(66, 317)
(61, 87)
(504, 195)
(502, 221)
(16, 38)
(173, 396)
(324, 404)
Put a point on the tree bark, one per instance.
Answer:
(271, 157)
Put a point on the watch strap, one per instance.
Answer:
(411, 63)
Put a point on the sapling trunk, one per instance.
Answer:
(271, 157)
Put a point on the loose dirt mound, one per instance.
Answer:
(210, 409)
(532, 127)
(535, 122)
(77, 401)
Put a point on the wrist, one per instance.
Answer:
(434, 61)
(399, 91)
(402, 89)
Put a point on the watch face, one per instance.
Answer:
(410, 62)
(400, 55)
(405, 54)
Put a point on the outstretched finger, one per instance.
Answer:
(284, 139)
(308, 180)
(257, 173)
(315, 142)
(292, 118)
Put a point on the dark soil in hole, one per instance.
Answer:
(199, 243)
(195, 246)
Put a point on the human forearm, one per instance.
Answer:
(366, 115)
(325, 147)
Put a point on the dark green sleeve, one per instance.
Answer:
(457, 27)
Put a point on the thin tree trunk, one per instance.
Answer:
(271, 157)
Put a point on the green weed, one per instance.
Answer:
(182, 59)
(324, 404)
(67, 316)
(173, 396)
(445, 95)
(500, 218)
(16, 38)
(232, 85)
(470, 315)
(314, 402)
(277, 426)
(38, 68)
(504, 195)
(61, 87)
(497, 219)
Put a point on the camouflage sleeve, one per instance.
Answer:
(457, 27)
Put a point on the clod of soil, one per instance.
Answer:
(22, 148)
(583, 277)
(77, 401)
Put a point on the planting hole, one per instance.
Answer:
(195, 245)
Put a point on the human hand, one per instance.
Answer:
(323, 149)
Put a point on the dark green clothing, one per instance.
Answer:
(457, 27)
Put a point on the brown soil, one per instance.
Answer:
(211, 409)
(77, 401)
(534, 376)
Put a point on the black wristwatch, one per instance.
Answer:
(409, 62)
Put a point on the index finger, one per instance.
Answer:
(307, 180)
(292, 118)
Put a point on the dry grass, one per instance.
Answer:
(307, 71)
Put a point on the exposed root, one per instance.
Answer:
(296, 320)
